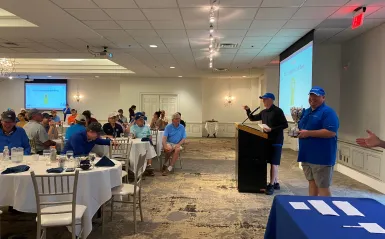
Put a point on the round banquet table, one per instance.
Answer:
(138, 148)
(94, 188)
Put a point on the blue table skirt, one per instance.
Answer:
(287, 222)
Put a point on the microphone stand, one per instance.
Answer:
(250, 114)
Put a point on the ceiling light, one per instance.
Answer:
(180, 76)
(172, 67)
(244, 76)
(211, 50)
(96, 76)
(211, 38)
(212, 19)
(70, 59)
(10, 77)
(211, 59)
(211, 45)
(153, 46)
(211, 28)
(49, 76)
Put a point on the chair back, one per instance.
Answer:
(121, 149)
(154, 134)
(56, 185)
(32, 143)
(139, 170)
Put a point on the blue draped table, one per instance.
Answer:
(287, 222)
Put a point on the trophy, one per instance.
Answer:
(296, 114)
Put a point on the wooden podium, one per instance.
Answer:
(252, 152)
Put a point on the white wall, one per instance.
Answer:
(362, 96)
(327, 69)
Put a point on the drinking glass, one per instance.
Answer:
(92, 157)
(47, 157)
(70, 157)
(20, 154)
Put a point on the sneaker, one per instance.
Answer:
(276, 186)
(165, 172)
(269, 189)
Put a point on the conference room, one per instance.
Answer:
(192, 119)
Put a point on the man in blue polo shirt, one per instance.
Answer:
(318, 143)
(173, 138)
(81, 143)
(11, 135)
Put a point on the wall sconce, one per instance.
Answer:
(229, 100)
(78, 97)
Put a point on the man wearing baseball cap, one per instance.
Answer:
(318, 143)
(111, 128)
(80, 125)
(275, 121)
(35, 131)
(11, 135)
(81, 143)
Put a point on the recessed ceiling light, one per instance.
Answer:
(49, 76)
(96, 76)
(244, 76)
(172, 67)
(153, 46)
(180, 76)
(70, 59)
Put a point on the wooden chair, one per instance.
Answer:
(121, 152)
(134, 190)
(154, 135)
(59, 213)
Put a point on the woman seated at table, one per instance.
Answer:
(156, 122)
(22, 121)
(140, 130)
(111, 128)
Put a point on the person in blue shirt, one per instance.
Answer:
(173, 138)
(66, 111)
(11, 135)
(81, 143)
(55, 117)
(80, 125)
(318, 143)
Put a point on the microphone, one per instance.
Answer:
(251, 114)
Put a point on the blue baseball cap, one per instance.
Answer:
(268, 96)
(317, 91)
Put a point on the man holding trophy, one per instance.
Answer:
(274, 122)
(317, 135)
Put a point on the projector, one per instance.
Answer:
(101, 55)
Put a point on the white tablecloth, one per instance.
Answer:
(138, 147)
(212, 127)
(94, 188)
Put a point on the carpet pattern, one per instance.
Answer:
(198, 201)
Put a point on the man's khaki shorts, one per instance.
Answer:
(321, 174)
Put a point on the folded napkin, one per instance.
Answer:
(55, 170)
(16, 169)
(105, 162)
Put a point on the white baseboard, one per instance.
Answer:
(369, 181)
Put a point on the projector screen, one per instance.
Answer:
(45, 96)
(295, 78)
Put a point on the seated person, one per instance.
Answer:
(55, 117)
(122, 119)
(173, 137)
(35, 131)
(163, 118)
(140, 130)
(89, 118)
(72, 117)
(182, 121)
(156, 122)
(82, 142)
(22, 121)
(80, 125)
(111, 128)
(12, 135)
(50, 126)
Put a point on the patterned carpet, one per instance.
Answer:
(198, 201)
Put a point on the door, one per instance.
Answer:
(150, 104)
(155, 102)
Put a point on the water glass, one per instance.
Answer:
(47, 157)
(20, 155)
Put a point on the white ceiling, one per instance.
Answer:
(261, 28)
